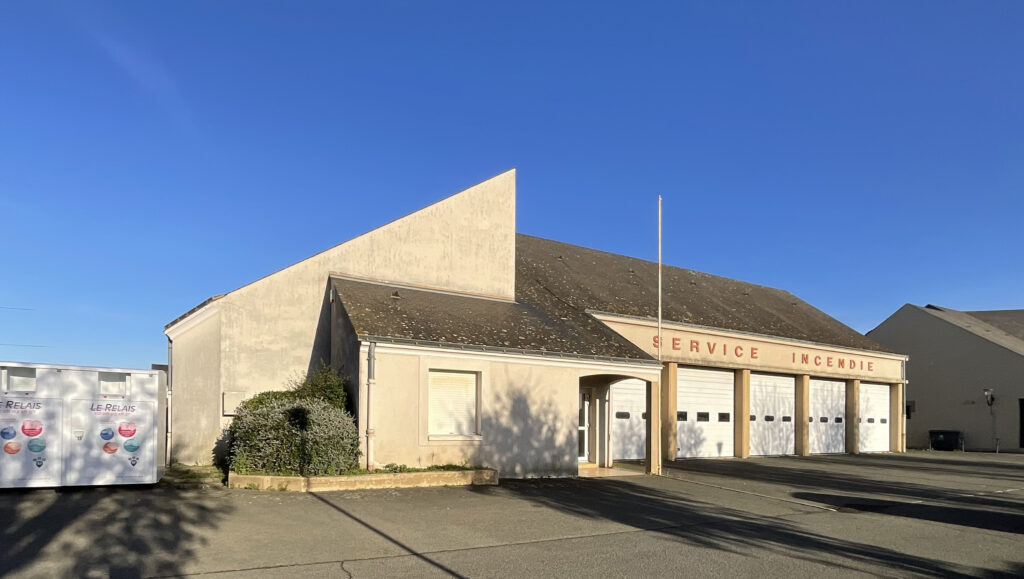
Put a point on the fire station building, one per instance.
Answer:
(465, 342)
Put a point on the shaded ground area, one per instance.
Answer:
(98, 532)
(923, 514)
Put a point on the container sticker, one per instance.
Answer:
(118, 445)
(32, 452)
(32, 428)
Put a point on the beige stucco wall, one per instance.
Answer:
(277, 328)
(528, 411)
(463, 243)
(196, 399)
(948, 369)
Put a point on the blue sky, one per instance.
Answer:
(858, 154)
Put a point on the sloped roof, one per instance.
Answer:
(413, 315)
(1009, 321)
(557, 284)
(578, 278)
(992, 326)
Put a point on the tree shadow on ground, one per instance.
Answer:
(104, 531)
(1004, 520)
(955, 463)
(784, 472)
(654, 506)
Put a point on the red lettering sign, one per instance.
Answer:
(675, 343)
(694, 346)
(738, 351)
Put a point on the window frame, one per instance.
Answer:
(19, 369)
(477, 434)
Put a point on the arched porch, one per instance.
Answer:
(595, 422)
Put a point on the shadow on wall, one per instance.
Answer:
(525, 436)
(320, 355)
(776, 436)
(655, 505)
(690, 440)
(830, 436)
(100, 531)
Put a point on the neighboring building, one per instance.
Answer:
(465, 342)
(954, 358)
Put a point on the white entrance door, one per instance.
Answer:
(704, 413)
(772, 408)
(827, 428)
(584, 427)
(874, 417)
(629, 425)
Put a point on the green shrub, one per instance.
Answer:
(324, 384)
(292, 436)
(263, 398)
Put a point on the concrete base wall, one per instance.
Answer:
(363, 481)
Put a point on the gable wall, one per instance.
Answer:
(947, 371)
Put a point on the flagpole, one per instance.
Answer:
(659, 278)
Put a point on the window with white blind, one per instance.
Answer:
(452, 400)
(21, 379)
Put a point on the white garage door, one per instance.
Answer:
(629, 428)
(827, 405)
(772, 408)
(704, 407)
(874, 417)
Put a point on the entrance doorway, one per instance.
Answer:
(584, 426)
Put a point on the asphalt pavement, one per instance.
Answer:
(920, 514)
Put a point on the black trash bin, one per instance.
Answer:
(945, 439)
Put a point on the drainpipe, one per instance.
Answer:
(371, 379)
(170, 390)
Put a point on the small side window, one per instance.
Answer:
(644, 416)
(787, 419)
(769, 418)
(753, 418)
(810, 419)
(884, 421)
(723, 417)
(622, 415)
(113, 383)
(839, 419)
(681, 416)
(871, 420)
(823, 419)
(703, 416)
(21, 379)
